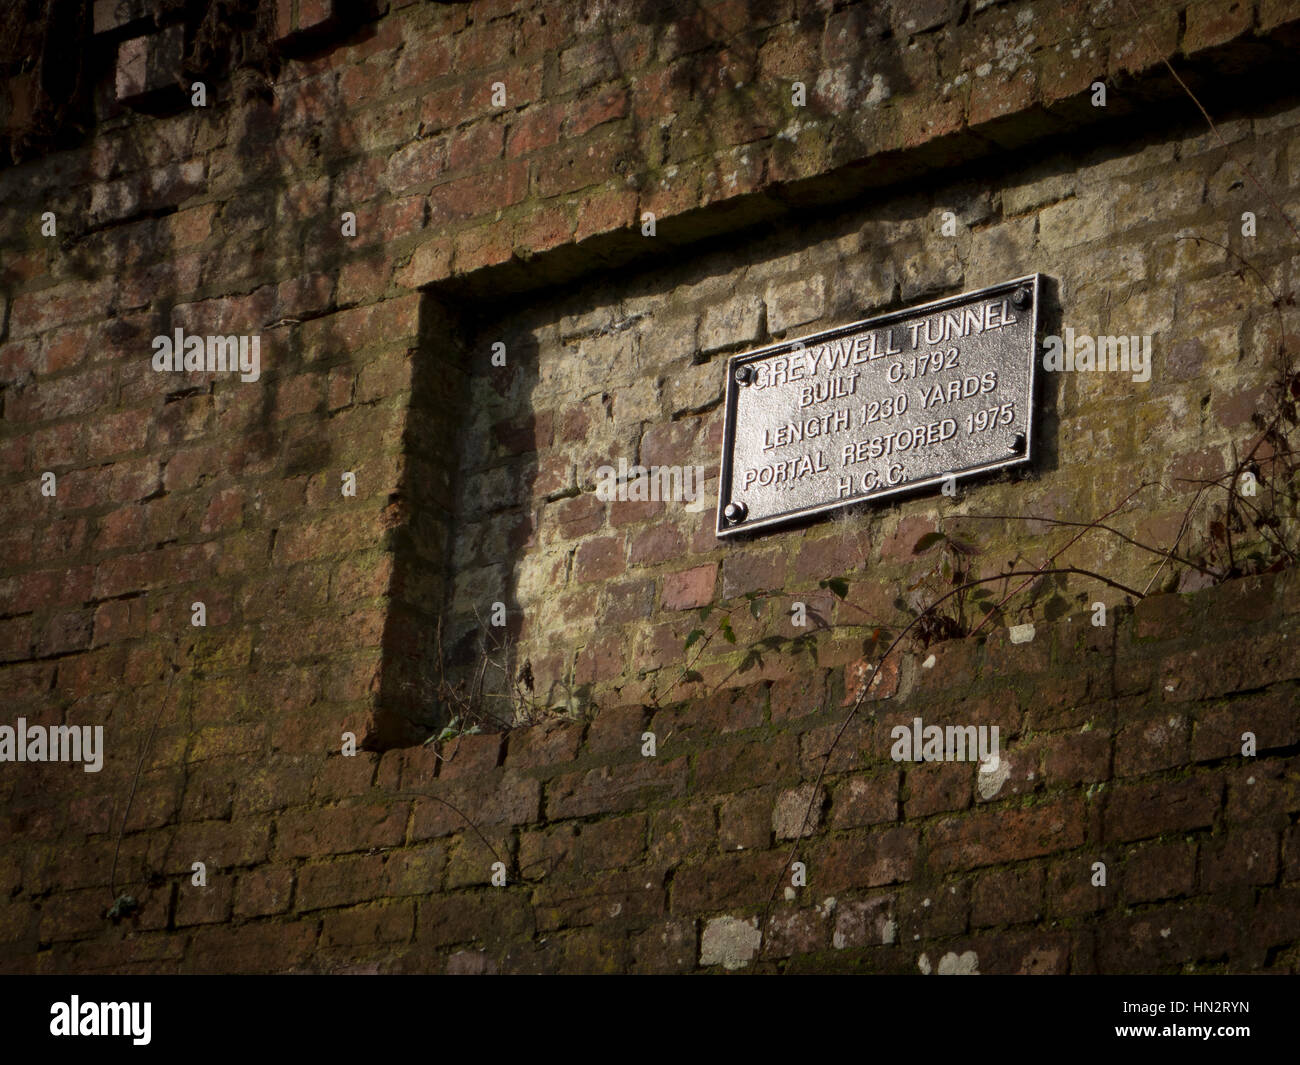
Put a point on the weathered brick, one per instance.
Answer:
(1139, 811)
(340, 829)
(1249, 857)
(987, 837)
(613, 789)
(501, 797)
(865, 858)
(689, 588)
(1159, 871)
(264, 891)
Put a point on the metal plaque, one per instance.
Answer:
(879, 407)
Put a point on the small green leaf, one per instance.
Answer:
(926, 542)
(838, 586)
(705, 611)
(694, 635)
(726, 630)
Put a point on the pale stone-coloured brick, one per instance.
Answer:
(1157, 199)
(1016, 199)
(933, 272)
(795, 303)
(731, 324)
(1001, 251)
(1073, 222)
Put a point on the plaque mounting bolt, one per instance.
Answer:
(735, 512)
(744, 375)
(1020, 298)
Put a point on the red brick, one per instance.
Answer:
(745, 821)
(501, 797)
(899, 546)
(534, 128)
(276, 948)
(1248, 857)
(1008, 896)
(1138, 811)
(690, 588)
(339, 829)
(628, 601)
(626, 512)
(743, 879)
(341, 882)
(606, 209)
(883, 684)
(490, 915)
(595, 108)
(1077, 757)
(468, 755)
(367, 926)
(601, 659)
(795, 932)
(344, 777)
(738, 764)
(659, 543)
(1158, 871)
(599, 559)
(613, 789)
(665, 947)
(264, 891)
(1273, 718)
(1213, 22)
(478, 194)
(634, 895)
(725, 710)
(1161, 616)
(204, 905)
(936, 787)
(751, 572)
(477, 146)
(547, 744)
(865, 799)
(842, 747)
(1165, 938)
(993, 97)
(573, 166)
(423, 60)
(682, 831)
(864, 858)
(1152, 744)
(578, 516)
(987, 837)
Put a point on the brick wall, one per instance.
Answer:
(1121, 745)
(520, 221)
(631, 370)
